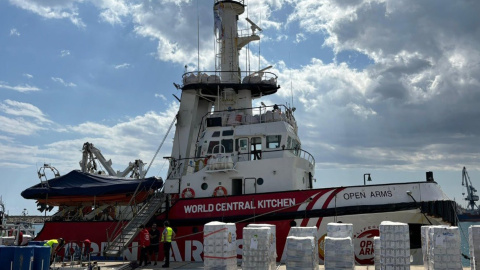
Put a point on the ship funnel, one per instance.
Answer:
(429, 176)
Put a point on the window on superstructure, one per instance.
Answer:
(273, 141)
(295, 146)
(213, 146)
(289, 142)
(216, 134)
(227, 133)
(256, 148)
(227, 145)
(242, 144)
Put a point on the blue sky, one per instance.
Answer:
(387, 87)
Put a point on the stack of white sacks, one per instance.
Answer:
(377, 247)
(302, 248)
(339, 252)
(395, 246)
(220, 246)
(257, 248)
(301, 253)
(273, 243)
(442, 245)
(474, 244)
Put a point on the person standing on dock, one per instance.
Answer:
(55, 246)
(154, 242)
(144, 244)
(167, 236)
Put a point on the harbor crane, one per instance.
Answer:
(471, 196)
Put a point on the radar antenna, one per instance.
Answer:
(253, 26)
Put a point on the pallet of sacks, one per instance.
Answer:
(297, 234)
(395, 246)
(220, 246)
(339, 251)
(474, 245)
(442, 245)
(301, 253)
(273, 243)
(257, 250)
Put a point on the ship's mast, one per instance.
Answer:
(225, 89)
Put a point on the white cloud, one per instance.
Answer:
(161, 96)
(299, 37)
(53, 9)
(18, 126)
(64, 53)
(61, 81)
(19, 88)
(14, 32)
(122, 66)
(29, 76)
(17, 108)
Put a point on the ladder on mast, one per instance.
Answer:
(130, 230)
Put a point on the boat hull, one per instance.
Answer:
(363, 206)
(119, 199)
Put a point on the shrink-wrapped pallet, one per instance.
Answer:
(219, 246)
(340, 230)
(301, 253)
(339, 253)
(303, 232)
(444, 248)
(256, 248)
(273, 242)
(474, 245)
(395, 246)
(377, 251)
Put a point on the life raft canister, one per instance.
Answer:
(188, 193)
(220, 191)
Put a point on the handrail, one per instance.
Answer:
(120, 224)
(295, 151)
(203, 76)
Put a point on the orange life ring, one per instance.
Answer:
(188, 193)
(220, 191)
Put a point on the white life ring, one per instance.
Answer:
(220, 191)
(188, 193)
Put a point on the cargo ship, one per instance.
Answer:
(235, 162)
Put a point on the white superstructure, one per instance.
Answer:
(222, 145)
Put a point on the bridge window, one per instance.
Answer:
(273, 141)
(211, 147)
(295, 146)
(227, 145)
(227, 133)
(216, 134)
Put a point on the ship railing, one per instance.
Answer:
(239, 1)
(241, 77)
(120, 225)
(249, 116)
(221, 162)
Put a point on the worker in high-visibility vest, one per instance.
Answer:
(55, 245)
(167, 236)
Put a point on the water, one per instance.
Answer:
(463, 227)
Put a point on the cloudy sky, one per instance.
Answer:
(387, 87)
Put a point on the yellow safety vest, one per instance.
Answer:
(50, 243)
(169, 234)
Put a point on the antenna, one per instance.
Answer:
(253, 26)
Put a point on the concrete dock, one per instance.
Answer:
(197, 266)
